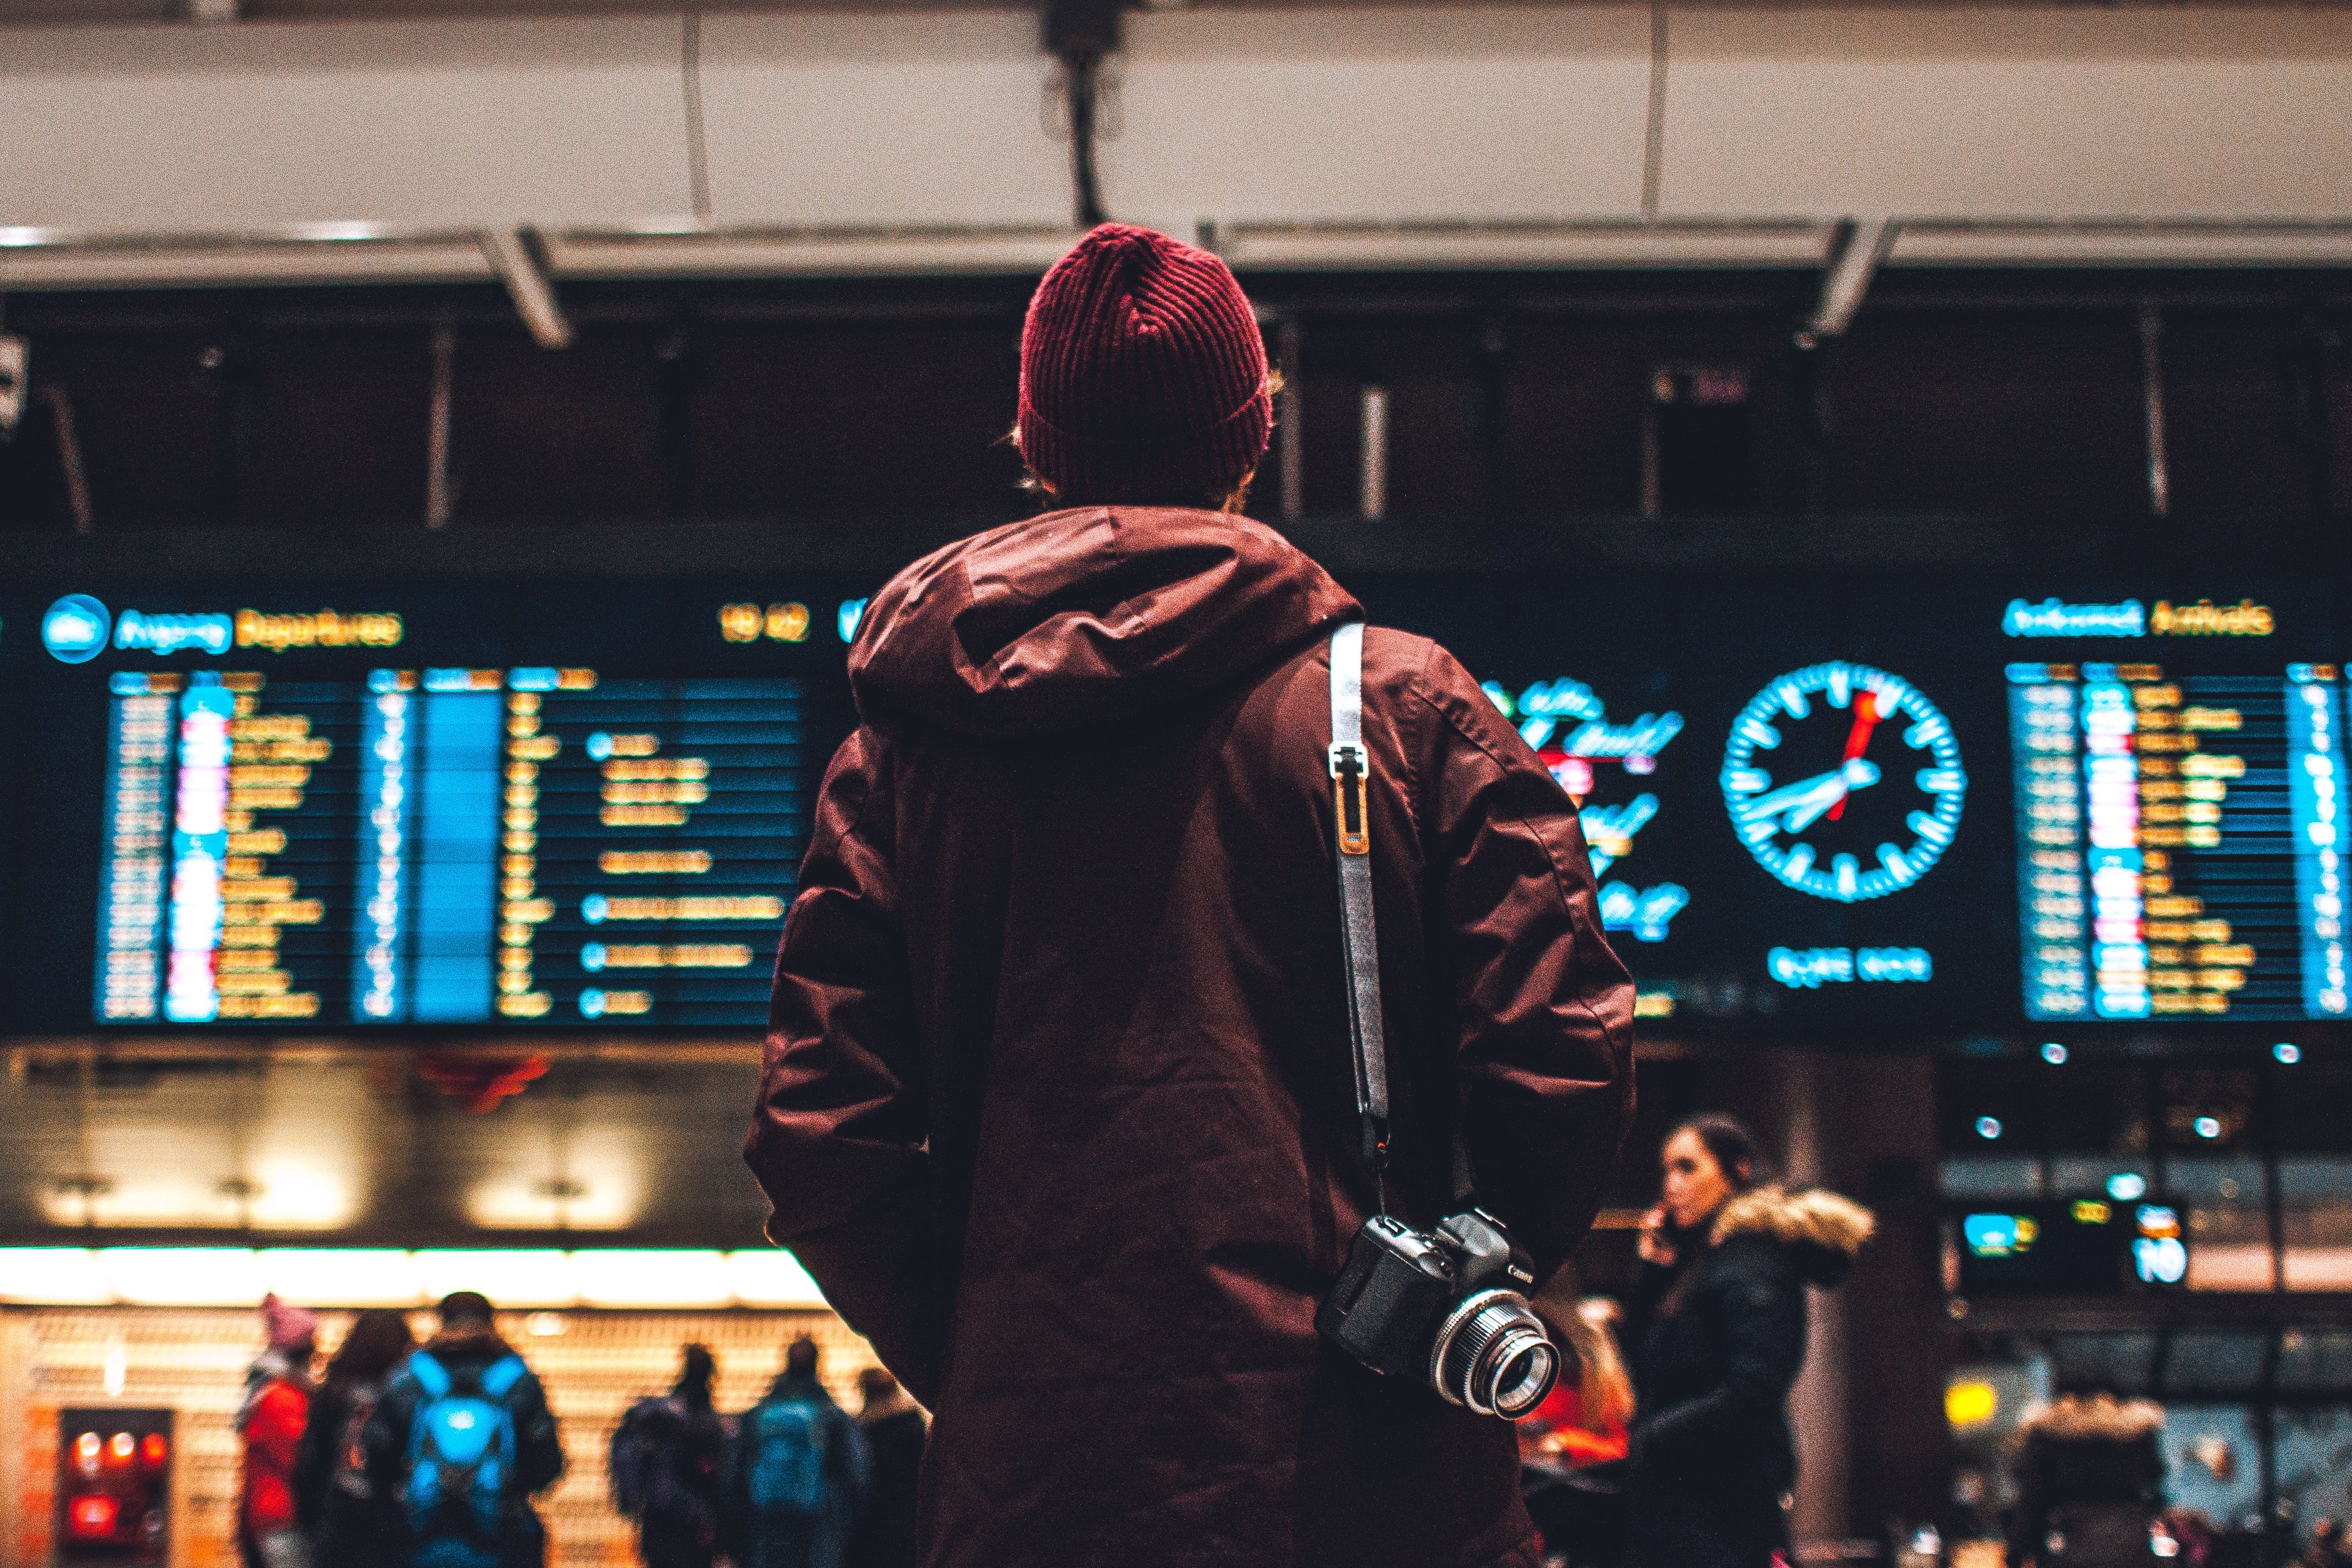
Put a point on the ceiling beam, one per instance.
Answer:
(1856, 248)
(514, 255)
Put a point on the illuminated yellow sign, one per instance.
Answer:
(318, 628)
(2207, 619)
(787, 622)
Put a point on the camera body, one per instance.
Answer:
(1445, 1306)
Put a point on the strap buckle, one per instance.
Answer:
(1348, 775)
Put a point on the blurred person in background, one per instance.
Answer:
(895, 1428)
(2330, 1546)
(460, 1441)
(338, 1506)
(2090, 1482)
(668, 1468)
(1717, 1323)
(1572, 1446)
(270, 1421)
(800, 1472)
(1059, 1101)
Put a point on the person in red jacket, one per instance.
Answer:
(269, 1422)
(1059, 1097)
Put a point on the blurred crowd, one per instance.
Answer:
(408, 1456)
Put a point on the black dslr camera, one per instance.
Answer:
(1444, 1306)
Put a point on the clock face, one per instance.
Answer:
(1844, 781)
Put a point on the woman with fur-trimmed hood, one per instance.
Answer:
(2089, 1476)
(1717, 1329)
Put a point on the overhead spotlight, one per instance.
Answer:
(1988, 1128)
(2287, 1053)
(2054, 1054)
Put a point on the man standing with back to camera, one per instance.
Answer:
(1061, 1106)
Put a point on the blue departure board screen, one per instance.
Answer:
(583, 805)
(2180, 821)
(447, 846)
(1860, 806)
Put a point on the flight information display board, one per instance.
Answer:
(450, 846)
(582, 805)
(1871, 806)
(2181, 825)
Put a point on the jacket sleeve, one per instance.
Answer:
(1757, 1313)
(539, 1448)
(1543, 1007)
(315, 1458)
(385, 1441)
(272, 1436)
(856, 1460)
(838, 1138)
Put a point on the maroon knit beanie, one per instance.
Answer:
(1143, 373)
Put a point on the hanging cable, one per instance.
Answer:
(1081, 34)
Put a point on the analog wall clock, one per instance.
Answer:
(1844, 781)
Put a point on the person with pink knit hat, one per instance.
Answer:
(1059, 1104)
(269, 1424)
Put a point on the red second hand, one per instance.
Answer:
(1857, 741)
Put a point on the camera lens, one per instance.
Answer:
(1492, 1356)
(1524, 1369)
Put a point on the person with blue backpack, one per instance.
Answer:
(799, 1473)
(459, 1442)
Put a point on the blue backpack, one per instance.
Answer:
(461, 1463)
(787, 1442)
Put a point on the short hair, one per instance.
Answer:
(802, 1356)
(468, 1308)
(875, 1382)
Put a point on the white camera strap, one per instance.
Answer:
(1350, 768)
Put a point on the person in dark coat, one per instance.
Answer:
(1058, 1104)
(813, 1459)
(678, 1446)
(333, 1498)
(2090, 1478)
(1718, 1323)
(895, 1430)
(469, 1349)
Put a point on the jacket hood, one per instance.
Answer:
(801, 1385)
(1821, 1230)
(2100, 1418)
(1086, 617)
(468, 1341)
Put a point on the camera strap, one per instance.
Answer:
(1358, 937)
(1351, 766)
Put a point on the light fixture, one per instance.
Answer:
(2126, 1187)
(1988, 1127)
(2287, 1053)
(2054, 1054)
(538, 1281)
(2209, 1126)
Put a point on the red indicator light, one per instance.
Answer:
(92, 1518)
(154, 1450)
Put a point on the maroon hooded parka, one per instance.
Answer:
(1058, 1104)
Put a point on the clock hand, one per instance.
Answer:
(1803, 802)
(1790, 798)
(1859, 774)
(1857, 740)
